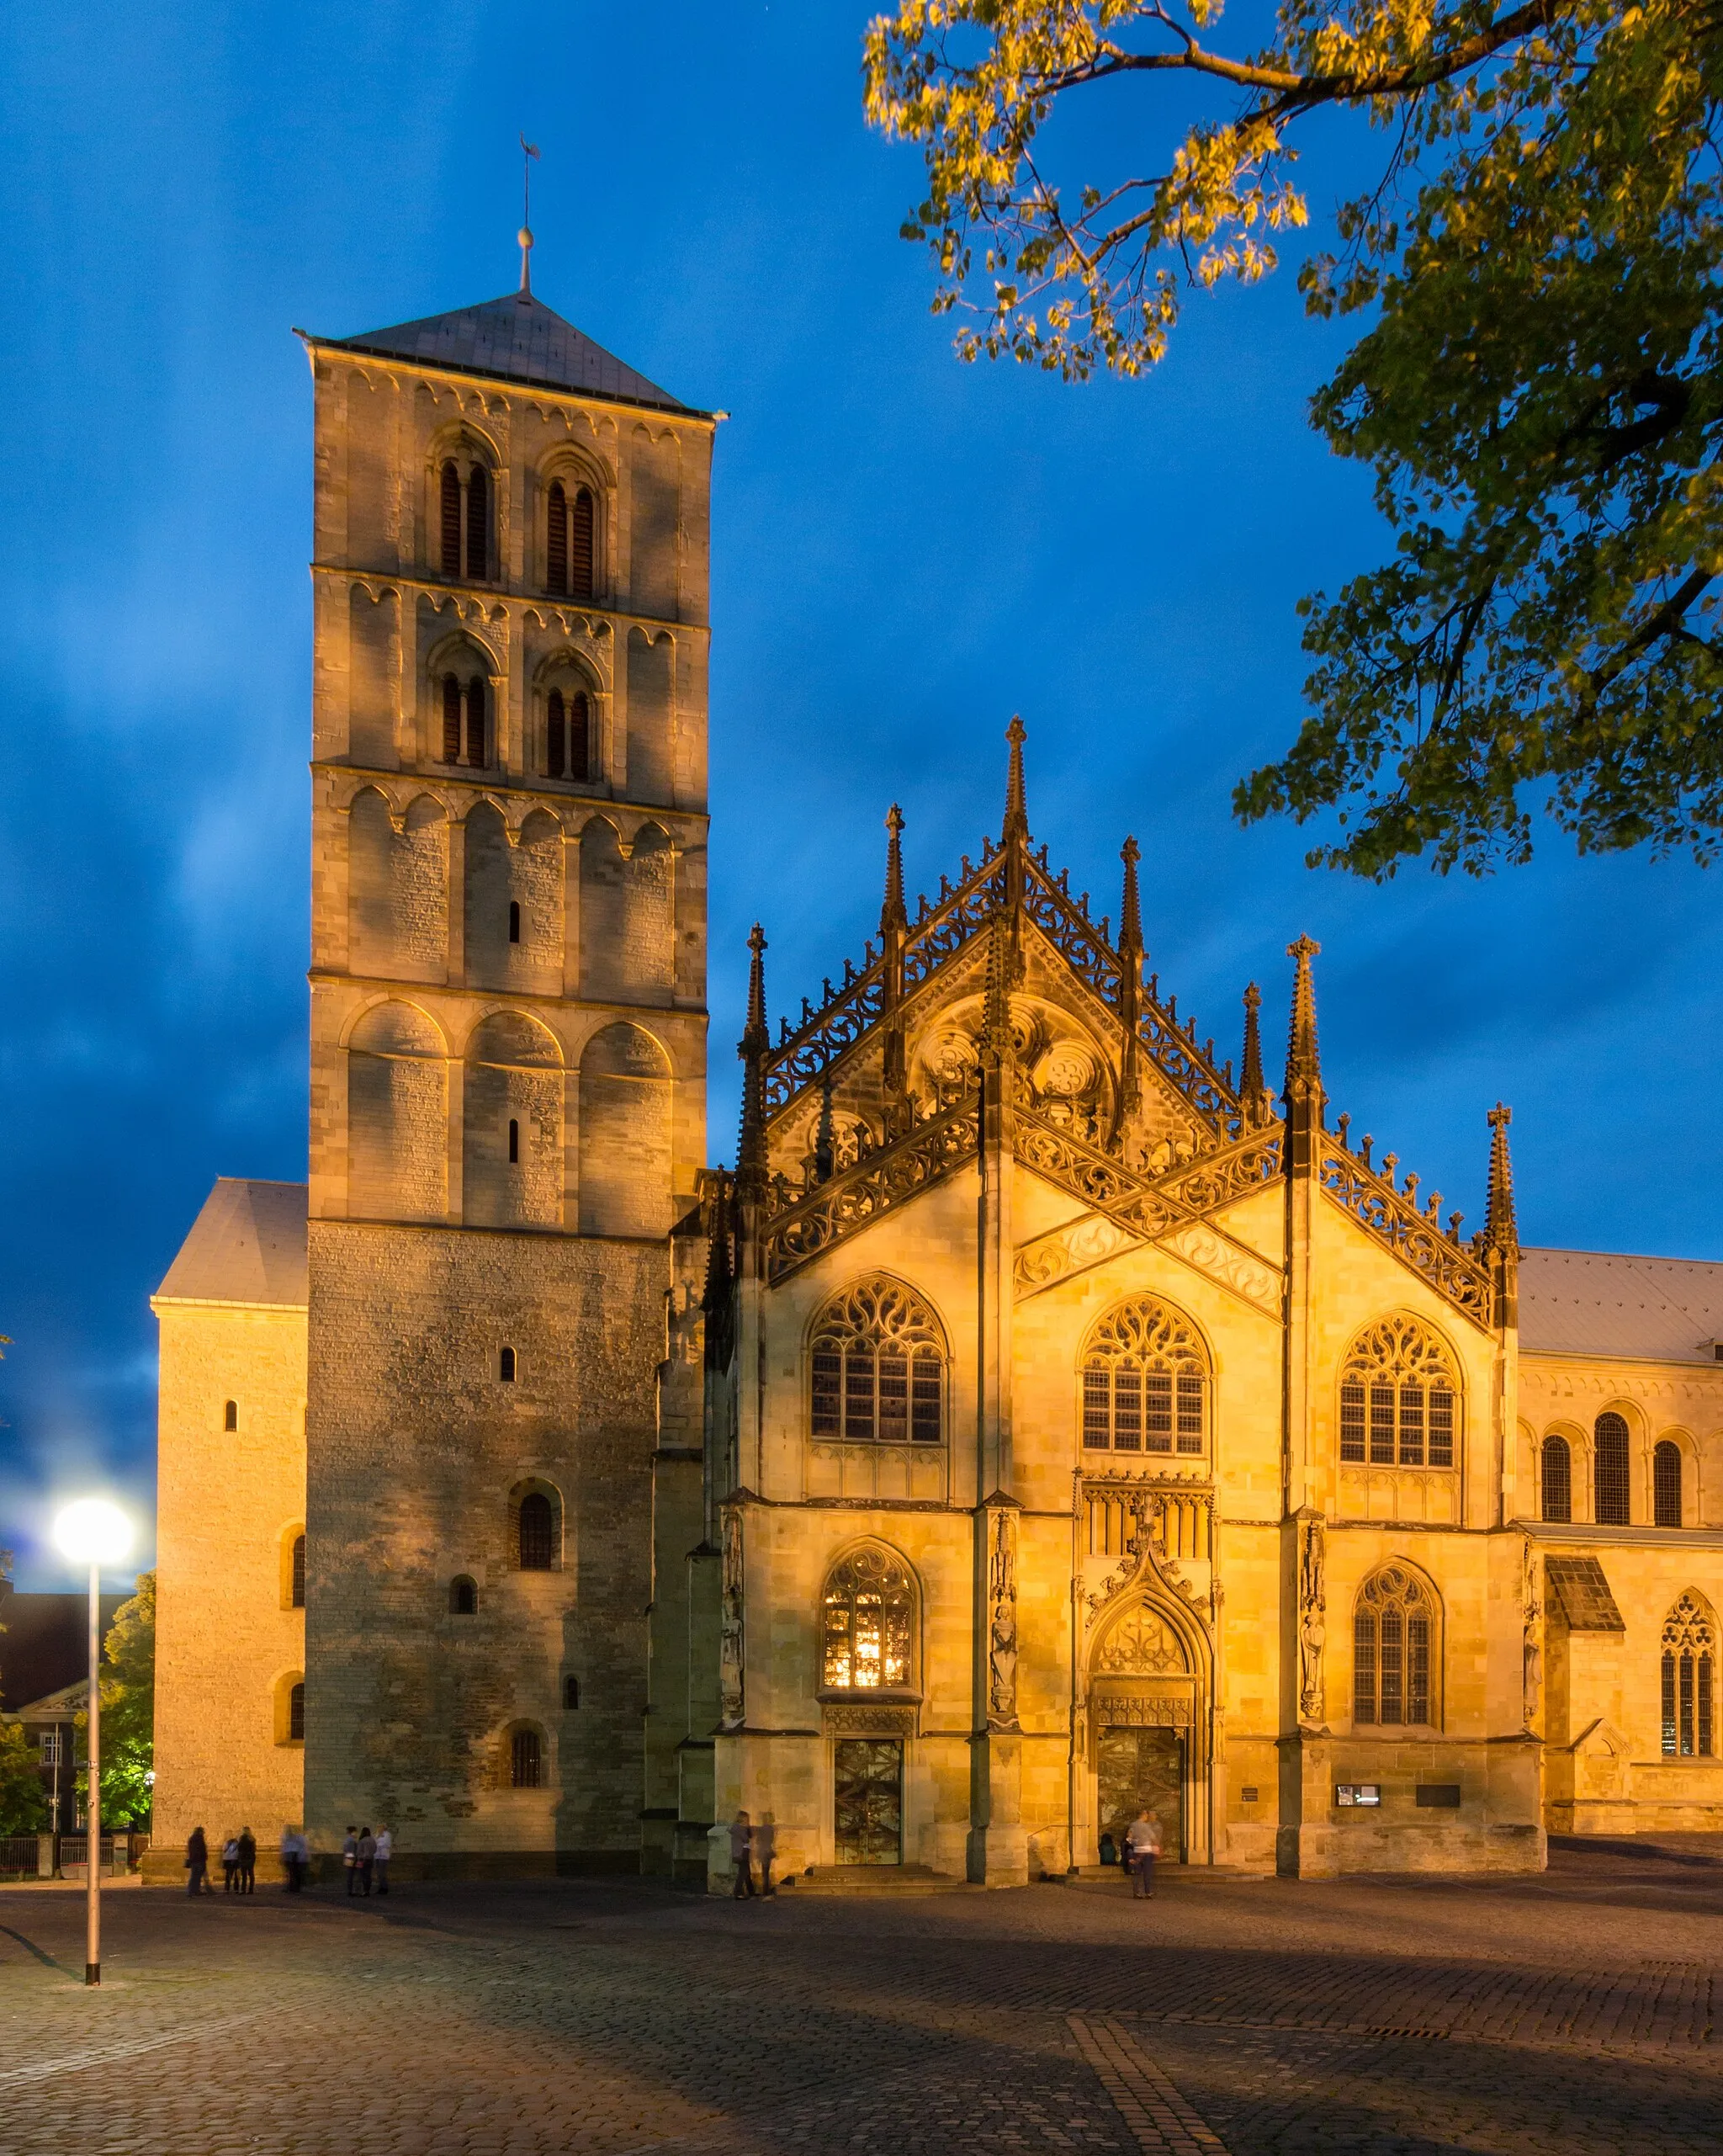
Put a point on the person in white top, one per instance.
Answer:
(379, 1862)
(1143, 1845)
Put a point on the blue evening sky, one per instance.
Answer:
(906, 551)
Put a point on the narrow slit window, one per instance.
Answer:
(506, 1366)
(571, 1692)
(230, 1416)
(464, 1597)
(514, 1141)
(514, 921)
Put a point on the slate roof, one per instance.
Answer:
(1579, 1589)
(516, 339)
(1597, 1302)
(246, 1245)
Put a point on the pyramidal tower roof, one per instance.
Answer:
(514, 339)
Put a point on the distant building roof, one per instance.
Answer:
(518, 339)
(246, 1245)
(1596, 1302)
(44, 1646)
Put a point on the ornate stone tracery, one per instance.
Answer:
(1400, 1397)
(877, 1363)
(1145, 1381)
(867, 1622)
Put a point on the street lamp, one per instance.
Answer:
(92, 1531)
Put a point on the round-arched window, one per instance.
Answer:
(868, 1623)
(1145, 1382)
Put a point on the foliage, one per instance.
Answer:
(1538, 392)
(24, 1808)
(128, 1709)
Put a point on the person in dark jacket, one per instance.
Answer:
(197, 1862)
(367, 1855)
(247, 1862)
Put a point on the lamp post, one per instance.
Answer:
(92, 1531)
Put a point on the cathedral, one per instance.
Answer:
(1044, 1420)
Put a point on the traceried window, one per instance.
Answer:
(1689, 1680)
(1399, 1398)
(1394, 1648)
(878, 1366)
(1666, 1483)
(868, 1623)
(1609, 1470)
(1555, 1479)
(1145, 1382)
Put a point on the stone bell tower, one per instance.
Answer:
(508, 1030)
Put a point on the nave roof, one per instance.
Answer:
(1607, 1302)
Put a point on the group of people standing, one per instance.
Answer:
(752, 1845)
(364, 1857)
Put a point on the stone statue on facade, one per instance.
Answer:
(1532, 1651)
(732, 1703)
(1002, 1620)
(1312, 1617)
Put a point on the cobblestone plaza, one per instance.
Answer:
(1569, 2012)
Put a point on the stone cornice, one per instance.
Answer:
(502, 595)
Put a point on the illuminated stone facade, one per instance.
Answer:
(1040, 1422)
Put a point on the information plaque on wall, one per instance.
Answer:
(1350, 1793)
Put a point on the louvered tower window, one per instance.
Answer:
(451, 506)
(582, 524)
(556, 540)
(475, 702)
(478, 523)
(555, 734)
(451, 719)
(1610, 1470)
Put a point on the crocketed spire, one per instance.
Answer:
(1253, 1089)
(1016, 800)
(1130, 909)
(1501, 1230)
(754, 1045)
(1303, 1063)
(893, 913)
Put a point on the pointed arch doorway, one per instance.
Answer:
(1146, 1716)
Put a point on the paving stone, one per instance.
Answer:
(1570, 2013)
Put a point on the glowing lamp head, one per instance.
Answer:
(92, 1531)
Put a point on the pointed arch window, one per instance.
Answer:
(868, 1623)
(582, 528)
(1666, 1483)
(879, 1367)
(451, 719)
(537, 1532)
(1145, 1382)
(556, 539)
(1399, 1398)
(1395, 1647)
(1554, 1480)
(1689, 1680)
(476, 730)
(1609, 1470)
(451, 508)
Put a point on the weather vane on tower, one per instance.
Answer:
(528, 151)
